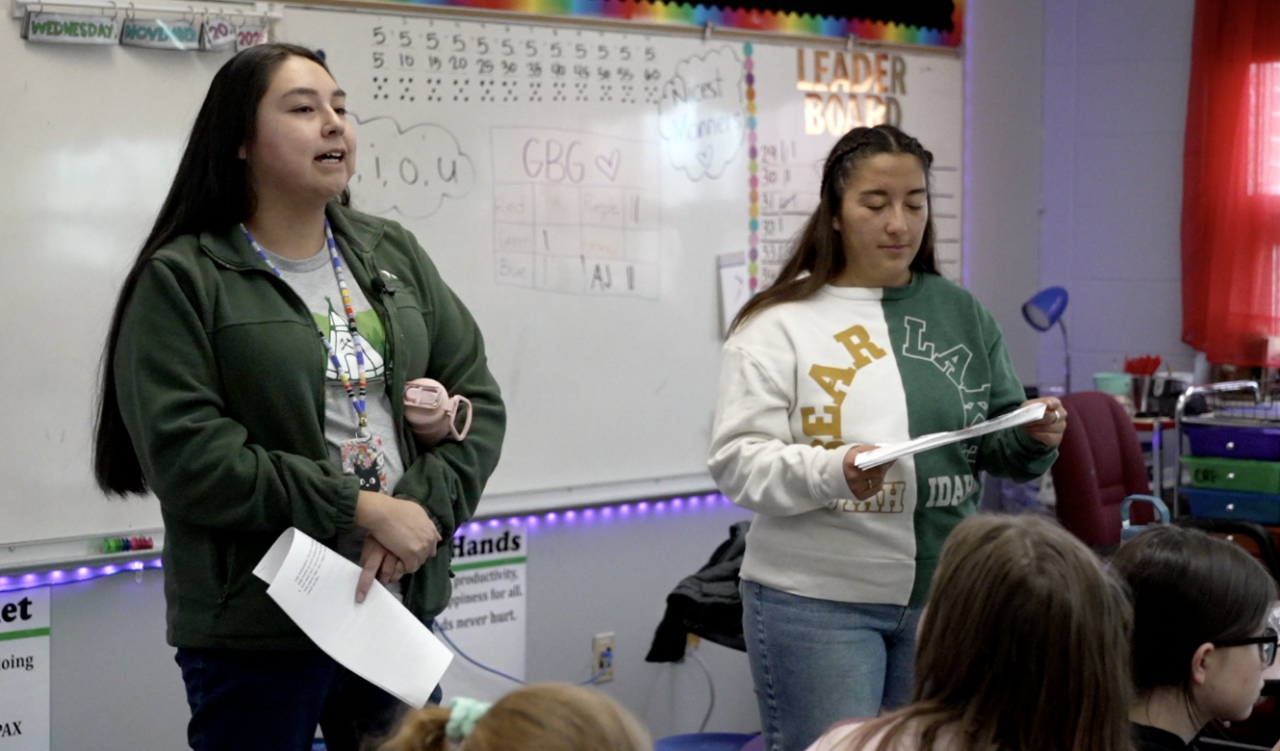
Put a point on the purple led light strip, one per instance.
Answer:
(583, 516)
(82, 573)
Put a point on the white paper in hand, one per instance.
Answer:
(378, 640)
(890, 451)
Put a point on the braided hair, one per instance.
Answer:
(817, 255)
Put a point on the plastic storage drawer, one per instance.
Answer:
(1263, 508)
(1262, 444)
(1233, 474)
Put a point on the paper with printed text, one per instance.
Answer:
(378, 639)
(890, 451)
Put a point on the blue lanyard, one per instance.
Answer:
(357, 401)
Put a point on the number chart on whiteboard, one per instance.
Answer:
(576, 185)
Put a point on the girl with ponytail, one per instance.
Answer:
(544, 717)
(858, 342)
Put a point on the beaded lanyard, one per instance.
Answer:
(356, 401)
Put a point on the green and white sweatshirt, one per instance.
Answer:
(801, 382)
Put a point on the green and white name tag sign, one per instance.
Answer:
(64, 28)
(24, 670)
(160, 34)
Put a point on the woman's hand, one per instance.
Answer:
(402, 527)
(377, 562)
(863, 482)
(1048, 429)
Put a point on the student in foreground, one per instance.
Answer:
(1021, 648)
(545, 717)
(1201, 634)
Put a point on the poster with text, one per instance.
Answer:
(24, 670)
(485, 617)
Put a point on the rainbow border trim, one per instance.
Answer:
(753, 182)
(751, 20)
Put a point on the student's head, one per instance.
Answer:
(873, 218)
(1193, 594)
(254, 132)
(1022, 629)
(1018, 645)
(876, 188)
(543, 717)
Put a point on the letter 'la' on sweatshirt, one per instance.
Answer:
(802, 382)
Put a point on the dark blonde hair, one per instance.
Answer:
(1021, 647)
(543, 717)
(817, 256)
(1188, 589)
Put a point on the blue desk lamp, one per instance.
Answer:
(1045, 309)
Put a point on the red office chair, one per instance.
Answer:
(1100, 463)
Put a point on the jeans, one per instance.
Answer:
(816, 662)
(273, 699)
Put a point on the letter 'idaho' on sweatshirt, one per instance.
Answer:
(802, 382)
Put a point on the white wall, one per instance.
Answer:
(615, 576)
(1115, 105)
(1003, 55)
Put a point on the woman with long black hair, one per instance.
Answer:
(253, 380)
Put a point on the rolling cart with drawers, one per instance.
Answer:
(1233, 463)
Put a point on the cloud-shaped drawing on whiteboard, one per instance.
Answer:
(701, 114)
(408, 170)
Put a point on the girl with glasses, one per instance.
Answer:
(1202, 636)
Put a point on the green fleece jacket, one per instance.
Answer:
(220, 380)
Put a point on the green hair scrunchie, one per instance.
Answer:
(463, 715)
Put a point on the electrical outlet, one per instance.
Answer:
(602, 656)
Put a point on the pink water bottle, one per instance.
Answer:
(433, 414)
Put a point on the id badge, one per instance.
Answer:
(362, 456)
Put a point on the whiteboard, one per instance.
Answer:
(574, 184)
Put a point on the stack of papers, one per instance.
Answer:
(890, 451)
(378, 639)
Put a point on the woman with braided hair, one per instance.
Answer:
(858, 342)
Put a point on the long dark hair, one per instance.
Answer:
(1018, 647)
(818, 250)
(211, 191)
(1188, 589)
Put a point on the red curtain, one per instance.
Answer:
(1231, 184)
